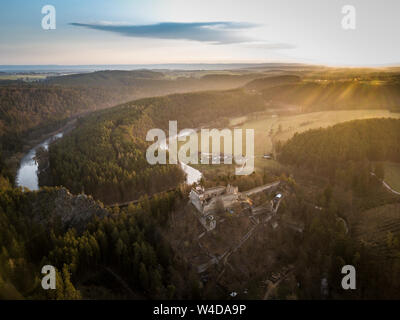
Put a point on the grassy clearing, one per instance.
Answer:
(214, 170)
(392, 174)
(273, 127)
(261, 165)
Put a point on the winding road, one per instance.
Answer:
(389, 188)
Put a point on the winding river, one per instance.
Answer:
(192, 175)
(27, 174)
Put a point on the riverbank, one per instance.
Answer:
(13, 161)
(26, 173)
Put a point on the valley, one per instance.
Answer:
(118, 227)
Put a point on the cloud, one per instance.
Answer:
(212, 32)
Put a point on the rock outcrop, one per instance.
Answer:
(59, 205)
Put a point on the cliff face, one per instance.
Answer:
(58, 205)
(76, 211)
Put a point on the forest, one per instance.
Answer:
(92, 262)
(30, 110)
(126, 253)
(105, 155)
(345, 94)
(325, 246)
(345, 153)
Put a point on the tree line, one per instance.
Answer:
(346, 153)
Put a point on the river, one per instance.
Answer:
(27, 174)
(192, 175)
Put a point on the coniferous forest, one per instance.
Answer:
(116, 227)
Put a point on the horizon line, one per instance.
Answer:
(388, 65)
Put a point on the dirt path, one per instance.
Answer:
(390, 188)
(262, 188)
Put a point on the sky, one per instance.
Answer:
(200, 31)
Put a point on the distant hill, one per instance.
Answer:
(331, 89)
(106, 78)
(231, 77)
(335, 95)
(157, 81)
(28, 110)
(268, 82)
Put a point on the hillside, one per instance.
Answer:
(371, 139)
(106, 78)
(29, 225)
(105, 155)
(151, 249)
(41, 108)
(268, 82)
(345, 153)
(29, 110)
(94, 250)
(335, 95)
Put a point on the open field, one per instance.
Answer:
(274, 127)
(219, 170)
(214, 170)
(392, 175)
